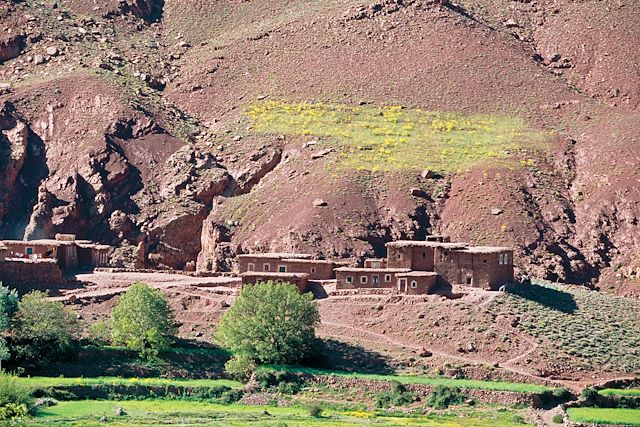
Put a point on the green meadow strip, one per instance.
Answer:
(627, 417)
(411, 379)
(81, 381)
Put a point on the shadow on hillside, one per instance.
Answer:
(549, 297)
(341, 356)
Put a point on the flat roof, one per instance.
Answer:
(41, 242)
(372, 270)
(307, 261)
(274, 274)
(277, 255)
(485, 249)
(92, 246)
(418, 274)
(424, 243)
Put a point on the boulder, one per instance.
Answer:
(53, 51)
(496, 211)
(418, 192)
(319, 203)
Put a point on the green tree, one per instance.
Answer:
(43, 330)
(8, 308)
(270, 323)
(143, 321)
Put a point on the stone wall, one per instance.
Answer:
(33, 274)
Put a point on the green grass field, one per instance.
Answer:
(577, 326)
(629, 417)
(411, 379)
(620, 392)
(162, 412)
(394, 138)
(62, 381)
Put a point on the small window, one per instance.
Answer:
(387, 278)
(349, 279)
(29, 251)
(364, 279)
(251, 267)
(469, 280)
(375, 279)
(399, 256)
(414, 284)
(506, 259)
(266, 267)
(282, 269)
(313, 270)
(484, 261)
(424, 254)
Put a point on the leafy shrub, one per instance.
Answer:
(100, 333)
(558, 419)
(270, 323)
(240, 367)
(231, 396)
(14, 412)
(315, 410)
(12, 390)
(143, 321)
(282, 381)
(589, 395)
(442, 397)
(43, 330)
(398, 396)
(562, 394)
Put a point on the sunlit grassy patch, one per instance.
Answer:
(394, 138)
(627, 417)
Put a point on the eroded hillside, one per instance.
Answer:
(196, 130)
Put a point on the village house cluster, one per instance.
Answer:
(33, 261)
(411, 267)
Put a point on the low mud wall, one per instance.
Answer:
(37, 275)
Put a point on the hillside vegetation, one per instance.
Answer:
(394, 138)
(576, 326)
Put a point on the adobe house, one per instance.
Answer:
(484, 267)
(301, 280)
(92, 255)
(415, 255)
(375, 263)
(268, 262)
(68, 252)
(65, 252)
(353, 278)
(416, 282)
(287, 263)
(318, 269)
(3, 252)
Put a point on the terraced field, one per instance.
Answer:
(154, 412)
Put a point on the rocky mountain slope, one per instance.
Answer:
(195, 130)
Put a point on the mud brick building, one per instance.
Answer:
(287, 263)
(411, 267)
(354, 278)
(417, 267)
(301, 280)
(65, 250)
(417, 282)
(3, 252)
